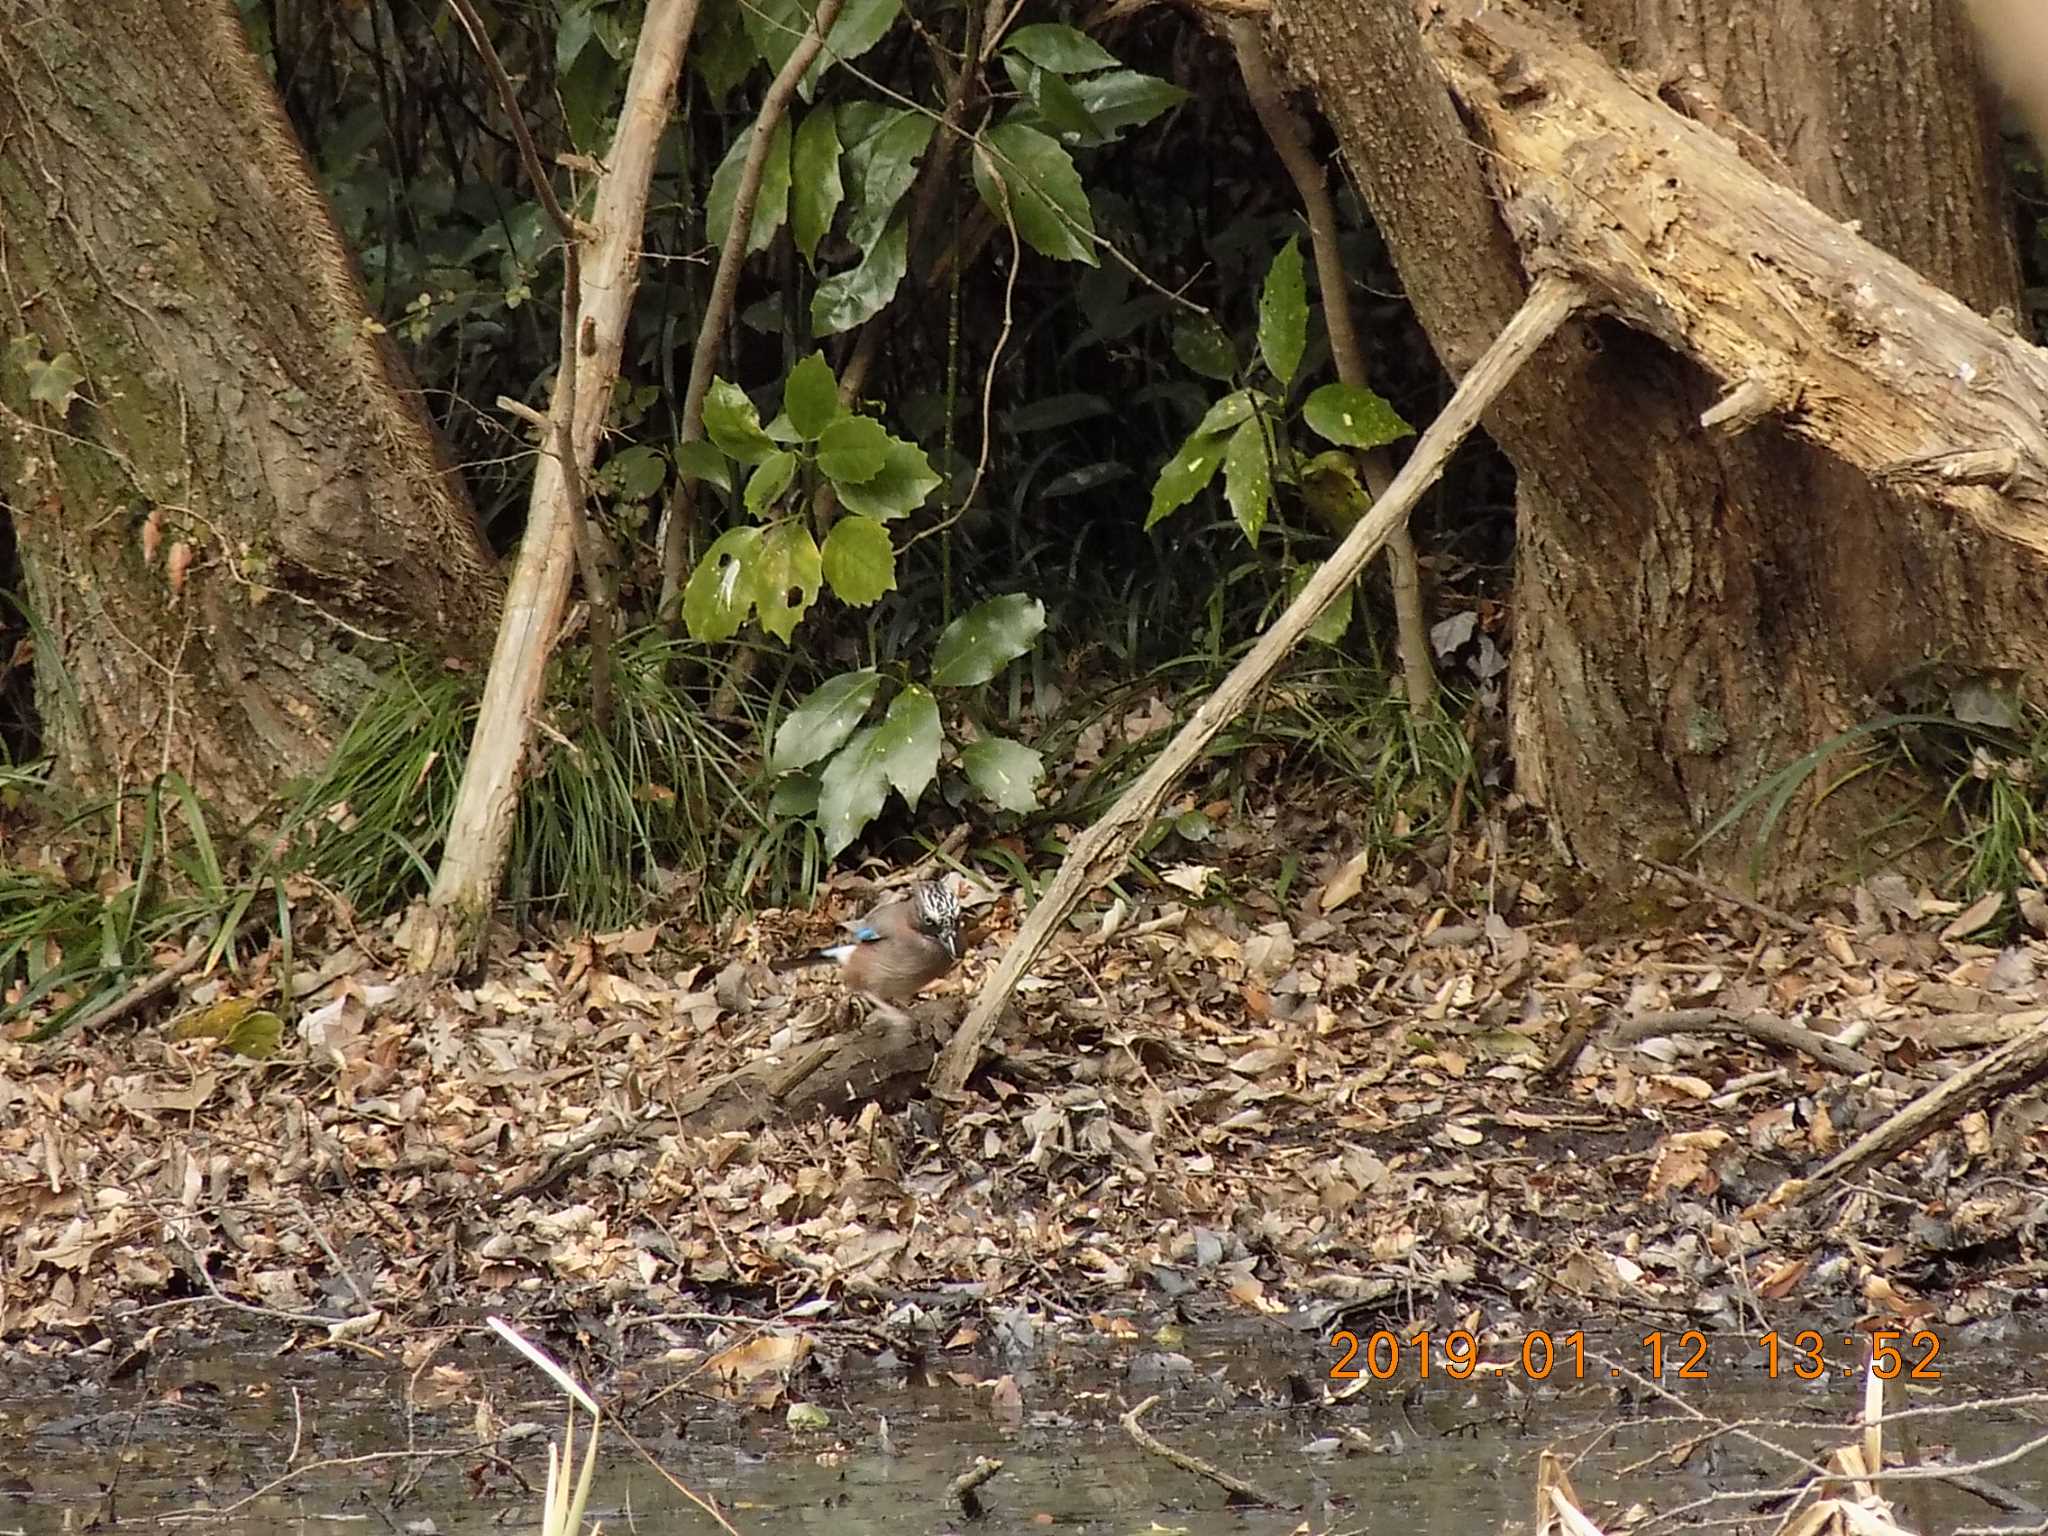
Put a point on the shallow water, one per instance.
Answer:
(196, 1433)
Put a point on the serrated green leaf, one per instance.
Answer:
(721, 590)
(787, 575)
(702, 460)
(767, 483)
(810, 397)
(1024, 174)
(847, 299)
(1006, 772)
(1052, 46)
(1353, 417)
(1248, 478)
(851, 791)
(1335, 620)
(1126, 99)
(1201, 344)
(853, 449)
(908, 741)
(1283, 313)
(881, 169)
(985, 639)
(818, 191)
(1058, 107)
(1182, 477)
(731, 422)
(635, 473)
(898, 489)
(771, 200)
(1226, 413)
(860, 560)
(823, 720)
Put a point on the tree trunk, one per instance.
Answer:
(243, 508)
(1696, 610)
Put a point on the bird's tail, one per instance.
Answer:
(832, 954)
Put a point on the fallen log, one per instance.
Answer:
(1675, 233)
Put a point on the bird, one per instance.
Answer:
(897, 949)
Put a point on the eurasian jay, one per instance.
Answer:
(898, 949)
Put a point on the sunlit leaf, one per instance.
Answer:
(985, 639)
(720, 593)
(817, 193)
(859, 560)
(787, 576)
(767, 483)
(909, 740)
(1025, 175)
(810, 397)
(731, 422)
(897, 489)
(1248, 478)
(1182, 477)
(853, 449)
(1354, 417)
(1283, 313)
(824, 719)
(1050, 45)
(1005, 771)
(1227, 412)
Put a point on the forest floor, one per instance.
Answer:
(1317, 1089)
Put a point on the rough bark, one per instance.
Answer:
(1697, 609)
(243, 507)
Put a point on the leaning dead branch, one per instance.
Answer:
(1764, 1027)
(1664, 221)
(1229, 1482)
(1098, 854)
(2009, 1069)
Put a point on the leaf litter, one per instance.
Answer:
(1380, 1092)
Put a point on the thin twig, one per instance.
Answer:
(1725, 896)
(1229, 1482)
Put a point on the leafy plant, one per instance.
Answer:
(1247, 432)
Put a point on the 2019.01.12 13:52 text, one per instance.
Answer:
(1808, 1354)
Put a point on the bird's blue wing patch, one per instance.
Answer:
(866, 934)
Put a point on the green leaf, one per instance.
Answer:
(1330, 488)
(847, 299)
(985, 639)
(818, 191)
(908, 741)
(1126, 99)
(1052, 46)
(771, 200)
(54, 383)
(898, 489)
(767, 483)
(1336, 619)
(882, 167)
(851, 791)
(824, 719)
(1201, 345)
(810, 397)
(1248, 478)
(1005, 771)
(720, 593)
(795, 794)
(853, 449)
(786, 577)
(1182, 477)
(1354, 417)
(861, 25)
(702, 460)
(1058, 106)
(1024, 174)
(720, 50)
(1226, 413)
(1283, 313)
(860, 562)
(635, 473)
(1056, 411)
(776, 26)
(731, 422)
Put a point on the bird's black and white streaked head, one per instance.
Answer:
(938, 913)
